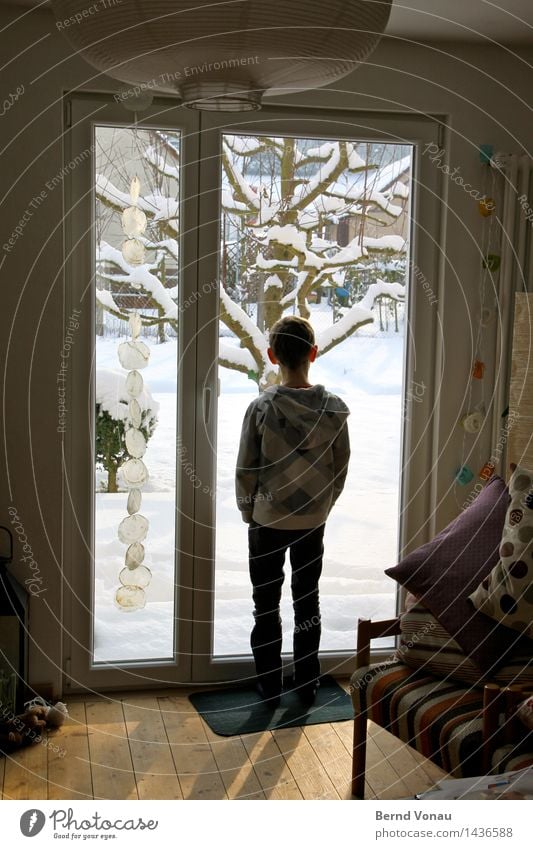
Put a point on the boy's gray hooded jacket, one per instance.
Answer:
(293, 457)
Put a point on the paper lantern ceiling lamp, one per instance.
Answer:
(225, 56)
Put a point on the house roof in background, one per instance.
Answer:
(506, 21)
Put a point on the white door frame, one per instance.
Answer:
(80, 673)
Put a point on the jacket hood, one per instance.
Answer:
(310, 416)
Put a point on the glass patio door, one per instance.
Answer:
(163, 280)
(272, 189)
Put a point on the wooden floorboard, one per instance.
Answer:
(155, 773)
(26, 773)
(271, 768)
(305, 766)
(109, 751)
(333, 756)
(154, 745)
(69, 769)
(234, 765)
(193, 757)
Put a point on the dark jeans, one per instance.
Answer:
(267, 547)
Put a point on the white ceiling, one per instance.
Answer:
(507, 21)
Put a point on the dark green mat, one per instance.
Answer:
(240, 711)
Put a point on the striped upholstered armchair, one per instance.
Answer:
(465, 728)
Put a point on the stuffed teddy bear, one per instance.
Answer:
(27, 727)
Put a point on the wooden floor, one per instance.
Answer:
(156, 746)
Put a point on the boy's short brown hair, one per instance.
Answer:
(291, 340)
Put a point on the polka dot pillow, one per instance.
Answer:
(525, 713)
(506, 595)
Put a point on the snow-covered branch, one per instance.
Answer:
(247, 332)
(162, 164)
(239, 359)
(382, 287)
(138, 277)
(356, 317)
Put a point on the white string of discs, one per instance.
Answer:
(134, 355)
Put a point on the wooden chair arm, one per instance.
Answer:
(501, 702)
(492, 706)
(368, 631)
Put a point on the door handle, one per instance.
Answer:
(207, 405)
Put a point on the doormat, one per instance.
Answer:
(233, 711)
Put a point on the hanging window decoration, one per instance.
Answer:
(134, 355)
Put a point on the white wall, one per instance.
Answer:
(482, 91)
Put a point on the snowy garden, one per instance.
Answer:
(317, 229)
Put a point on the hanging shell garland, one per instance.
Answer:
(134, 355)
(133, 252)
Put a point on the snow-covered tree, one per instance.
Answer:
(283, 195)
(286, 212)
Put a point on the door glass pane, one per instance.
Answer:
(135, 421)
(317, 228)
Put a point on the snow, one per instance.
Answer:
(355, 315)
(229, 204)
(244, 145)
(288, 235)
(165, 209)
(236, 176)
(273, 282)
(382, 287)
(265, 264)
(294, 238)
(323, 151)
(385, 243)
(389, 173)
(105, 298)
(170, 245)
(350, 253)
(361, 533)
(250, 329)
(162, 163)
(323, 175)
(355, 162)
(239, 356)
(112, 396)
(400, 190)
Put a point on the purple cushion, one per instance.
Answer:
(445, 571)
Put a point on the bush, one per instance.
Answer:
(112, 402)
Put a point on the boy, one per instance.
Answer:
(291, 468)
